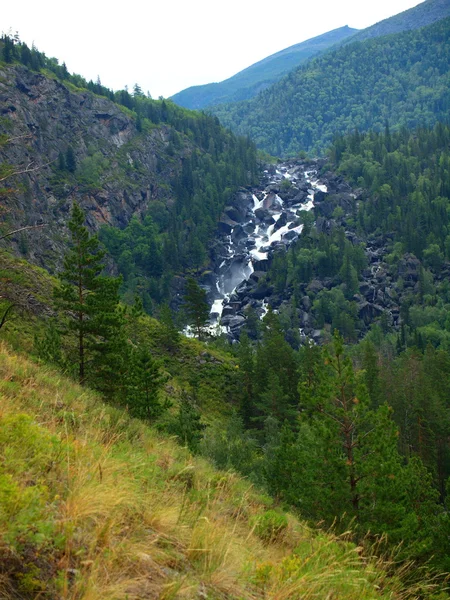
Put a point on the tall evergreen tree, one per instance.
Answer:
(143, 384)
(89, 300)
(197, 308)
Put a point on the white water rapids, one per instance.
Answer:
(258, 236)
(249, 245)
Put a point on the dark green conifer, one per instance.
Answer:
(144, 381)
(196, 306)
(88, 299)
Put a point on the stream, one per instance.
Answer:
(257, 224)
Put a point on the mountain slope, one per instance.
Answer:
(122, 157)
(403, 79)
(97, 505)
(423, 14)
(253, 79)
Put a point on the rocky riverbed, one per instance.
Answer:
(257, 224)
(260, 222)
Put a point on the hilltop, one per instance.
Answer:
(253, 79)
(402, 79)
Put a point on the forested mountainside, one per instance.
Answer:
(402, 79)
(127, 159)
(334, 404)
(248, 83)
(253, 79)
(375, 252)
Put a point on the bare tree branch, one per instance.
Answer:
(2, 237)
(30, 168)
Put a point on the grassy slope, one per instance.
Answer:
(95, 505)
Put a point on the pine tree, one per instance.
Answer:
(197, 308)
(143, 384)
(189, 427)
(89, 300)
(169, 332)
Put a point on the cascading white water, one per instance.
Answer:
(242, 259)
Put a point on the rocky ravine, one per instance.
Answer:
(256, 225)
(260, 222)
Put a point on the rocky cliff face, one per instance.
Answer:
(120, 171)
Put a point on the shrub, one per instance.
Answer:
(270, 525)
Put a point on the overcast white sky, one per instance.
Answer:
(168, 45)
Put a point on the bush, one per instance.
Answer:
(270, 525)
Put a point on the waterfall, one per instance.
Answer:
(251, 243)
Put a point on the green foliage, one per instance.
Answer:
(196, 307)
(402, 77)
(48, 345)
(231, 447)
(90, 304)
(407, 177)
(170, 335)
(28, 470)
(270, 525)
(188, 425)
(143, 383)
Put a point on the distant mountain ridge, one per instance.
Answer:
(402, 79)
(423, 14)
(249, 82)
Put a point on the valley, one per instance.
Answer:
(225, 353)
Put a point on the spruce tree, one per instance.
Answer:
(169, 332)
(143, 384)
(196, 306)
(89, 301)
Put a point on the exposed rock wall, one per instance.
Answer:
(43, 118)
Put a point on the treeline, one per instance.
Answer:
(402, 77)
(406, 176)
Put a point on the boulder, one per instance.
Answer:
(263, 290)
(290, 235)
(257, 275)
(226, 225)
(409, 268)
(236, 322)
(282, 221)
(238, 233)
(368, 312)
(269, 201)
(261, 265)
(235, 214)
(306, 303)
(315, 286)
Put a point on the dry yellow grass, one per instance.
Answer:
(129, 514)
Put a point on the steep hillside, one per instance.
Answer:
(97, 506)
(402, 79)
(120, 156)
(253, 79)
